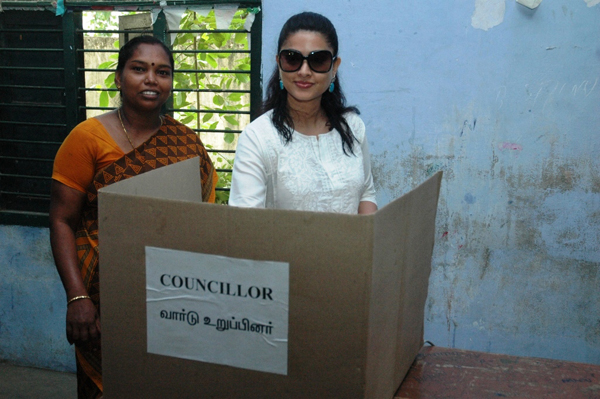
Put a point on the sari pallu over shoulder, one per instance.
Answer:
(173, 142)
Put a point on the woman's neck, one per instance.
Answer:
(308, 117)
(141, 122)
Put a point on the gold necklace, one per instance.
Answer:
(123, 126)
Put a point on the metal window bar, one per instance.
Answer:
(189, 110)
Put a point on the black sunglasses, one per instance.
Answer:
(319, 61)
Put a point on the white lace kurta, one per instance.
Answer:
(309, 173)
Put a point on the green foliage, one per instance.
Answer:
(109, 81)
(103, 20)
(222, 162)
(204, 99)
(220, 102)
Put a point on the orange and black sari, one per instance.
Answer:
(174, 142)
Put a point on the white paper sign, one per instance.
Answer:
(218, 309)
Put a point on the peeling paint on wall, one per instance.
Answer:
(32, 302)
(510, 146)
(530, 3)
(518, 222)
(591, 3)
(488, 13)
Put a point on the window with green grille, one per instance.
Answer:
(59, 71)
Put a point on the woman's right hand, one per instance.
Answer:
(83, 323)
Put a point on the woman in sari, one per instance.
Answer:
(308, 151)
(100, 151)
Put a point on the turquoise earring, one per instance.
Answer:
(280, 84)
(332, 85)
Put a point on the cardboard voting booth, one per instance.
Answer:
(204, 300)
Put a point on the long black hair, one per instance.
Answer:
(333, 103)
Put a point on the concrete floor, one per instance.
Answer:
(30, 383)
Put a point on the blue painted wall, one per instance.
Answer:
(504, 100)
(32, 302)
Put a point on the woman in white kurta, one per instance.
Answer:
(308, 151)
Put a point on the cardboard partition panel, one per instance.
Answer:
(204, 300)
